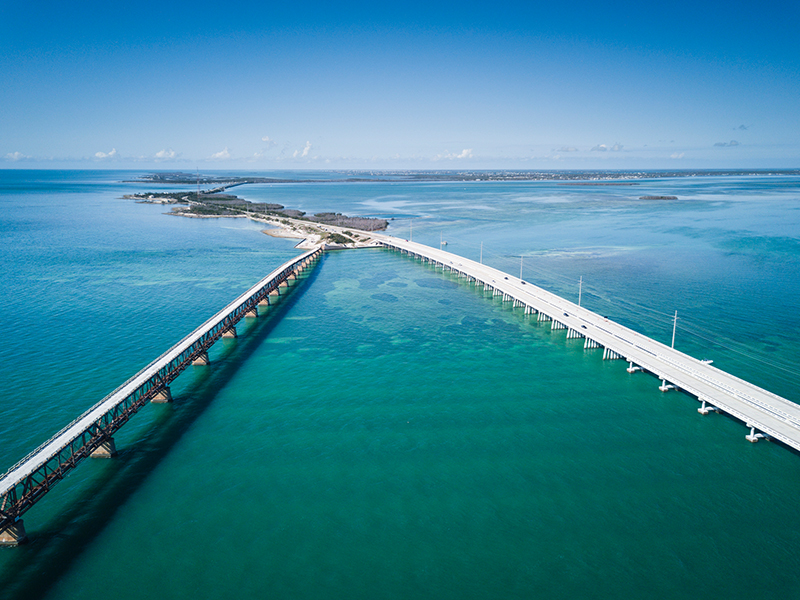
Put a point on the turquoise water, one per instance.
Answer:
(388, 432)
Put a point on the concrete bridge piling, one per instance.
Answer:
(162, 396)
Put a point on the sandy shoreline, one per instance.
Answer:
(311, 235)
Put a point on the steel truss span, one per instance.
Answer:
(32, 477)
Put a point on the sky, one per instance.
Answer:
(411, 85)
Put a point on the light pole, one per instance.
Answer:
(674, 327)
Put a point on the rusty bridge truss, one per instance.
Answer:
(32, 477)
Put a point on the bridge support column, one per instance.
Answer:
(275, 292)
(665, 387)
(705, 409)
(230, 333)
(14, 534)
(202, 359)
(264, 302)
(753, 437)
(253, 312)
(105, 450)
(162, 396)
(631, 368)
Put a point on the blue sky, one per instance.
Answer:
(260, 85)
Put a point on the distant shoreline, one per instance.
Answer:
(582, 177)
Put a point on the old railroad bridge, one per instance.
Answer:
(91, 434)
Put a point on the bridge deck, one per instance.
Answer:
(757, 407)
(30, 478)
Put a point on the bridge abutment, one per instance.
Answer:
(14, 534)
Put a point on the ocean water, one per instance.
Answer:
(387, 432)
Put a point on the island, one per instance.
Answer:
(335, 230)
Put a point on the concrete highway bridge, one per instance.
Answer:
(767, 415)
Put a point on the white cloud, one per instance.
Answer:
(266, 139)
(567, 149)
(465, 153)
(676, 155)
(102, 155)
(727, 144)
(165, 154)
(304, 152)
(15, 156)
(603, 148)
(221, 155)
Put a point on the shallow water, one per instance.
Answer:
(388, 432)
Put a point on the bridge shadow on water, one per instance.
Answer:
(54, 547)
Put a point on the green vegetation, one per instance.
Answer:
(336, 238)
(217, 204)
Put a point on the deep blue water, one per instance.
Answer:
(387, 432)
